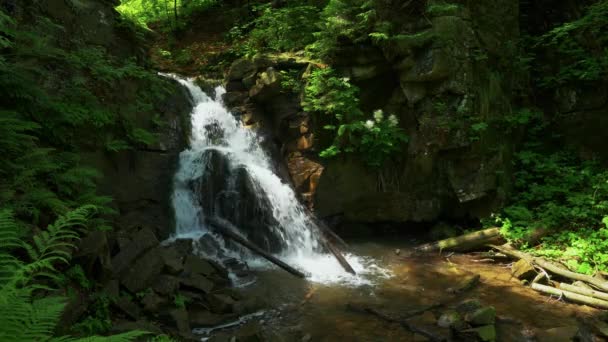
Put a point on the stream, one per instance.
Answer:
(226, 172)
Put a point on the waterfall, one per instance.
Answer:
(226, 172)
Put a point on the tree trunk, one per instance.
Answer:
(584, 291)
(571, 296)
(227, 229)
(553, 268)
(464, 242)
(175, 13)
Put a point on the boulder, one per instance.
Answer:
(523, 270)
(195, 265)
(173, 260)
(220, 303)
(451, 319)
(200, 317)
(482, 316)
(142, 241)
(267, 86)
(166, 285)
(126, 305)
(128, 326)
(468, 305)
(143, 272)
(241, 68)
(198, 282)
(179, 319)
(152, 302)
(485, 333)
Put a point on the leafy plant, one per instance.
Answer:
(289, 28)
(24, 315)
(374, 140)
(579, 48)
(179, 300)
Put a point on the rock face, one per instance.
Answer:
(139, 177)
(441, 80)
(232, 194)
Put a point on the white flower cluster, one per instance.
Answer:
(379, 117)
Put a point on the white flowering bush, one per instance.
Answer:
(374, 139)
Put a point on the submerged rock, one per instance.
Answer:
(482, 316)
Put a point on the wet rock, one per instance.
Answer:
(240, 68)
(559, 334)
(126, 305)
(248, 305)
(485, 333)
(142, 241)
(523, 270)
(94, 244)
(183, 246)
(267, 86)
(145, 270)
(198, 282)
(469, 305)
(166, 284)
(307, 338)
(173, 260)
(208, 245)
(420, 338)
(483, 316)
(112, 288)
(220, 303)
(451, 319)
(152, 302)
(179, 319)
(141, 325)
(196, 265)
(427, 318)
(200, 318)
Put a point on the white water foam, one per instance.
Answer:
(241, 146)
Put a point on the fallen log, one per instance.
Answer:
(325, 230)
(464, 242)
(553, 268)
(227, 230)
(584, 291)
(571, 296)
(341, 259)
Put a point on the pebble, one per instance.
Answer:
(307, 338)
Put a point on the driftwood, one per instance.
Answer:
(227, 230)
(584, 291)
(347, 267)
(464, 242)
(571, 296)
(553, 268)
(427, 331)
(325, 230)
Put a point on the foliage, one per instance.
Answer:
(437, 9)
(579, 48)
(24, 314)
(373, 140)
(98, 319)
(172, 14)
(343, 20)
(289, 28)
(557, 192)
(73, 111)
(179, 300)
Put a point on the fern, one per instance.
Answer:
(25, 316)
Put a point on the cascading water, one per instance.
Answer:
(225, 160)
